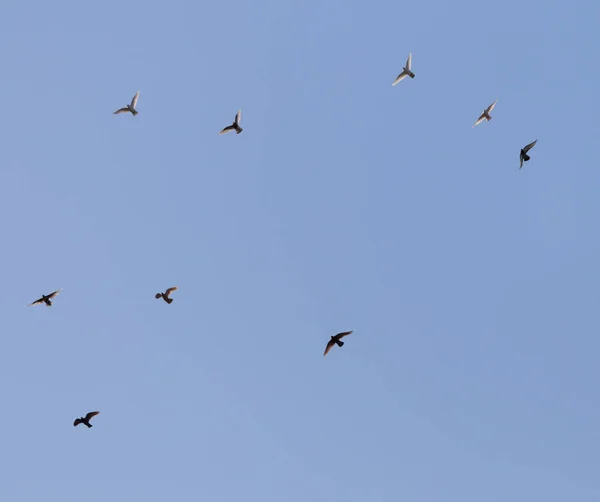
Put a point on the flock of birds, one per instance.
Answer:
(235, 126)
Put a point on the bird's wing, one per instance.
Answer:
(134, 100)
(227, 129)
(491, 107)
(479, 120)
(37, 302)
(170, 290)
(77, 422)
(529, 146)
(121, 110)
(400, 77)
(91, 414)
(521, 159)
(238, 116)
(52, 295)
(342, 335)
(330, 344)
(409, 61)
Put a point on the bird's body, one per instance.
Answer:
(86, 420)
(523, 157)
(486, 114)
(130, 107)
(166, 295)
(235, 126)
(46, 299)
(336, 340)
(406, 71)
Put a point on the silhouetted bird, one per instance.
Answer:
(165, 295)
(46, 299)
(85, 420)
(236, 124)
(406, 71)
(523, 156)
(131, 107)
(486, 114)
(336, 340)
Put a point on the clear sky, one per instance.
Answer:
(346, 204)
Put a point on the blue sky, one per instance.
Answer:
(346, 204)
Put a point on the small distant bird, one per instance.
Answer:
(47, 299)
(336, 340)
(486, 114)
(235, 125)
(523, 156)
(406, 71)
(130, 107)
(166, 294)
(86, 420)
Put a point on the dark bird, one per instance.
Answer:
(166, 295)
(47, 299)
(523, 156)
(130, 107)
(406, 71)
(336, 340)
(236, 124)
(85, 420)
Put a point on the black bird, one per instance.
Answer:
(336, 340)
(523, 156)
(236, 124)
(46, 299)
(166, 295)
(85, 420)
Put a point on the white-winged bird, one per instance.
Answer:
(336, 340)
(523, 155)
(47, 299)
(85, 420)
(486, 114)
(236, 124)
(406, 71)
(130, 107)
(166, 295)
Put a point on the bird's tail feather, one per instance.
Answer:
(238, 130)
(526, 157)
(134, 113)
(169, 300)
(340, 343)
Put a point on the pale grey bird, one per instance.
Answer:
(336, 340)
(86, 420)
(236, 124)
(166, 295)
(406, 71)
(523, 155)
(47, 299)
(486, 114)
(130, 107)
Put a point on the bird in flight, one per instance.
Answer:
(523, 156)
(166, 295)
(486, 114)
(336, 340)
(130, 107)
(47, 299)
(406, 71)
(85, 420)
(236, 124)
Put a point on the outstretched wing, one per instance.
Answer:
(170, 290)
(37, 302)
(91, 414)
(227, 129)
(491, 107)
(529, 146)
(409, 61)
(330, 344)
(52, 295)
(479, 120)
(238, 116)
(134, 100)
(77, 422)
(342, 335)
(400, 77)
(121, 110)
(521, 159)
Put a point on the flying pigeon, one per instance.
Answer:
(336, 340)
(406, 71)
(86, 420)
(46, 299)
(130, 107)
(523, 156)
(235, 125)
(486, 114)
(166, 295)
